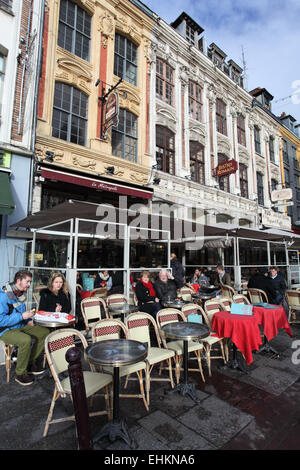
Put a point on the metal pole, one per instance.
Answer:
(73, 356)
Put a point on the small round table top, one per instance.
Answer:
(116, 352)
(174, 303)
(185, 330)
(125, 308)
(53, 324)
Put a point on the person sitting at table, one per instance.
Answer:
(56, 297)
(166, 286)
(200, 278)
(223, 278)
(117, 283)
(147, 299)
(260, 280)
(103, 279)
(278, 284)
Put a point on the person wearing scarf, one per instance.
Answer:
(147, 299)
(17, 328)
(103, 279)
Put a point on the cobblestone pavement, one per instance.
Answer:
(236, 411)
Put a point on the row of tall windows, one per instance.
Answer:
(70, 107)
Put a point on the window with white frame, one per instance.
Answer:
(243, 180)
(271, 149)
(221, 121)
(257, 140)
(165, 149)
(195, 101)
(241, 133)
(164, 82)
(197, 164)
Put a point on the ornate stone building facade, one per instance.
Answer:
(200, 116)
(88, 42)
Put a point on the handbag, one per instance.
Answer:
(241, 309)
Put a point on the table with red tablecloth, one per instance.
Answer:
(271, 319)
(243, 330)
(84, 294)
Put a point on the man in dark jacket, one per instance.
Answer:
(166, 286)
(177, 270)
(260, 280)
(278, 283)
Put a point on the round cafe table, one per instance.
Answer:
(174, 303)
(185, 331)
(116, 353)
(123, 310)
(243, 330)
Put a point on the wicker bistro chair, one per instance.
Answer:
(211, 307)
(170, 315)
(138, 325)
(226, 303)
(111, 328)
(211, 340)
(240, 299)
(91, 312)
(56, 345)
(257, 295)
(186, 293)
(8, 349)
(227, 291)
(116, 300)
(293, 300)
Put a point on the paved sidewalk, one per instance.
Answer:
(257, 411)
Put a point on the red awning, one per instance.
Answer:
(96, 183)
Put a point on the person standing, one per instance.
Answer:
(177, 270)
(17, 328)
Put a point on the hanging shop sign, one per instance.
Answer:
(111, 114)
(282, 194)
(226, 168)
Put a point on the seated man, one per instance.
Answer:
(278, 283)
(223, 277)
(16, 327)
(260, 280)
(166, 286)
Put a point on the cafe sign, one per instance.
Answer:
(226, 168)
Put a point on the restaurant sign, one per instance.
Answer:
(111, 111)
(269, 218)
(282, 194)
(226, 168)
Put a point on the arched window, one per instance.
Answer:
(223, 218)
(165, 149)
(70, 113)
(243, 180)
(223, 180)
(197, 166)
(124, 136)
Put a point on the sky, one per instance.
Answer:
(266, 30)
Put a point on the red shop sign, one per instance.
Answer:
(226, 168)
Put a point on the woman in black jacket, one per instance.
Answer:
(56, 297)
(147, 299)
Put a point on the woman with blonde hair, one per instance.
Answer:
(146, 295)
(56, 297)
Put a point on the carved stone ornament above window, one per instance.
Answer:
(165, 118)
(128, 27)
(106, 26)
(83, 162)
(72, 72)
(244, 156)
(198, 134)
(223, 145)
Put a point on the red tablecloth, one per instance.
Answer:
(243, 330)
(196, 287)
(271, 320)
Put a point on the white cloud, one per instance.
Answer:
(268, 30)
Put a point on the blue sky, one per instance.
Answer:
(268, 31)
